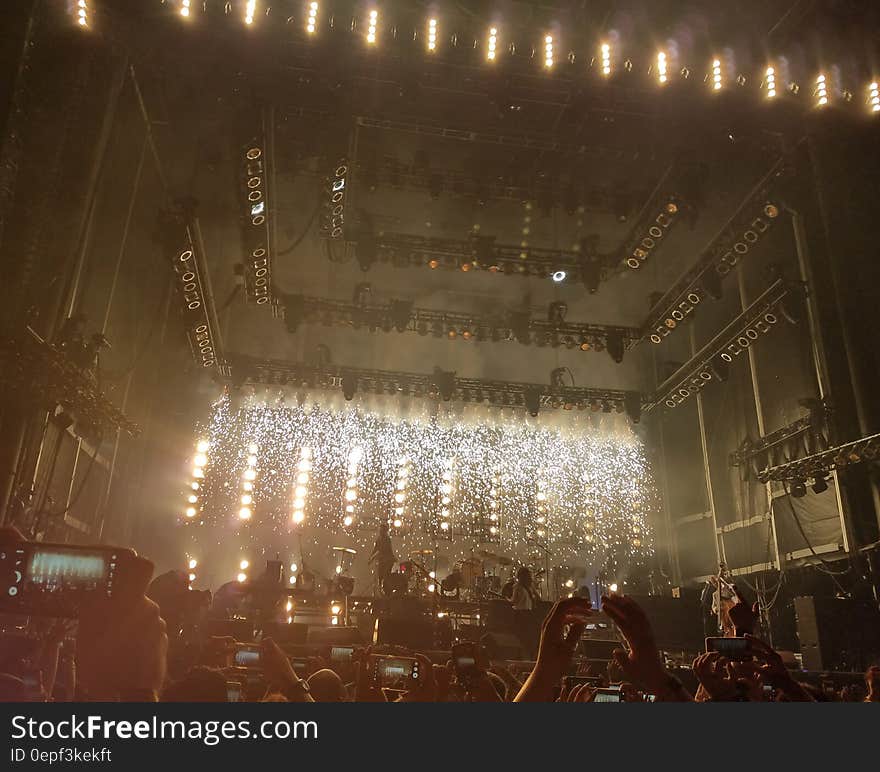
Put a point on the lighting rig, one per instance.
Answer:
(806, 436)
(196, 301)
(819, 465)
(255, 220)
(389, 171)
(439, 385)
(758, 213)
(660, 212)
(400, 315)
(712, 362)
(479, 253)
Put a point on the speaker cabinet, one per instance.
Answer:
(837, 634)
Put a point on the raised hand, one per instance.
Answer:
(716, 677)
(641, 664)
(772, 671)
(560, 633)
(280, 673)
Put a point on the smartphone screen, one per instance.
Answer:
(247, 657)
(55, 580)
(341, 653)
(396, 672)
(732, 648)
(233, 691)
(607, 695)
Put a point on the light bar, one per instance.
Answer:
(432, 34)
(716, 75)
(312, 20)
(655, 233)
(82, 13)
(821, 92)
(605, 52)
(301, 486)
(403, 471)
(874, 97)
(184, 7)
(247, 484)
(548, 51)
(372, 21)
(770, 82)
(250, 10)
(492, 44)
(661, 67)
(350, 496)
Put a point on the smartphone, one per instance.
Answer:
(233, 691)
(572, 681)
(342, 654)
(300, 665)
(394, 672)
(464, 660)
(247, 656)
(607, 695)
(650, 698)
(732, 648)
(40, 579)
(769, 692)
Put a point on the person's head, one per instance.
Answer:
(524, 576)
(326, 686)
(200, 684)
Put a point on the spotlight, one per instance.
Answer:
(559, 276)
(244, 565)
(532, 397)
(184, 7)
(632, 403)
(445, 382)
(548, 51)
(372, 21)
(716, 75)
(661, 67)
(349, 386)
(613, 587)
(82, 13)
(250, 10)
(492, 44)
(203, 447)
(820, 485)
(605, 52)
(312, 22)
(821, 92)
(615, 345)
(242, 577)
(770, 82)
(798, 489)
(874, 97)
(432, 34)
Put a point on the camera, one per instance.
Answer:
(738, 649)
(247, 656)
(41, 579)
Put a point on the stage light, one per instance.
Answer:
(244, 565)
(371, 26)
(82, 13)
(613, 587)
(821, 91)
(184, 7)
(798, 489)
(661, 67)
(250, 474)
(250, 10)
(548, 51)
(605, 52)
(492, 44)
(192, 563)
(288, 606)
(770, 82)
(716, 75)
(194, 486)
(292, 580)
(532, 399)
(198, 472)
(432, 34)
(242, 577)
(190, 511)
(247, 499)
(335, 609)
(312, 23)
(192, 499)
(874, 97)
(245, 513)
(444, 525)
(203, 446)
(298, 516)
(350, 494)
(559, 276)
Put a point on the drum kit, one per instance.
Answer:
(475, 578)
